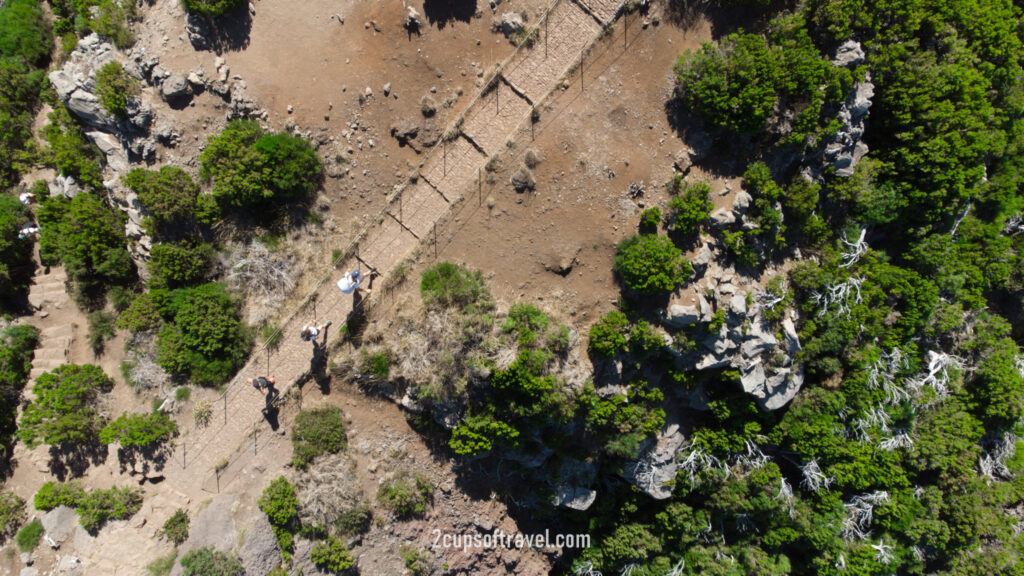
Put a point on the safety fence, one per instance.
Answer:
(235, 433)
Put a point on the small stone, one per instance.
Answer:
(387, 89)
(252, 9)
(291, 108)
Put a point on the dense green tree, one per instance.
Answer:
(210, 8)
(649, 264)
(16, 267)
(64, 411)
(252, 169)
(168, 195)
(176, 265)
(203, 339)
(25, 32)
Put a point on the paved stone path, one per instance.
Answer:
(451, 171)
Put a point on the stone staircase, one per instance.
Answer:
(49, 292)
(49, 295)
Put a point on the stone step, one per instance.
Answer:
(39, 300)
(58, 331)
(50, 354)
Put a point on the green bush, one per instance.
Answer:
(416, 562)
(12, 513)
(168, 195)
(88, 237)
(203, 338)
(209, 562)
(142, 315)
(54, 494)
(140, 431)
(16, 265)
(70, 154)
(65, 411)
(649, 220)
(29, 536)
(608, 335)
(211, 8)
(332, 555)
(99, 506)
(650, 264)
(163, 565)
(281, 506)
(406, 495)
(25, 32)
(101, 328)
(449, 285)
(689, 207)
(355, 521)
(175, 528)
(377, 363)
(478, 435)
(120, 297)
(16, 350)
(254, 170)
(114, 87)
(317, 431)
(176, 265)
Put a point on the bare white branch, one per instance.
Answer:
(883, 553)
(859, 512)
(899, 439)
(852, 251)
(842, 296)
(937, 378)
(814, 479)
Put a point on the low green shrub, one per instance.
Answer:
(53, 494)
(29, 536)
(405, 494)
(332, 555)
(101, 329)
(317, 431)
(140, 431)
(416, 561)
(355, 521)
(689, 207)
(25, 32)
(281, 506)
(175, 528)
(209, 562)
(12, 513)
(99, 506)
(65, 410)
(648, 264)
(649, 220)
(169, 196)
(608, 335)
(114, 87)
(163, 565)
(177, 265)
(377, 363)
(447, 285)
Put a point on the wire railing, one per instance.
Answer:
(196, 440)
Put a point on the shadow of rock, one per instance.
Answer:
(227, 33)
(443, 12)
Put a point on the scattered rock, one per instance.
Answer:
(722, 217)
(64, 186)
(523, 179)
(29, 571)
(682, 316)
(511, 22)
(850, 54)
(574, 489)
(404, 131)
(260, 553)
(654, 472)
(111, 147)
(59, 523)
(387, 89)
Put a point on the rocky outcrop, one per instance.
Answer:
(655, 471)
(260, 553)
(574, 488)
(762, 352)
(511, 23)
(59, 524)
(846, 147)
(64, 186)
